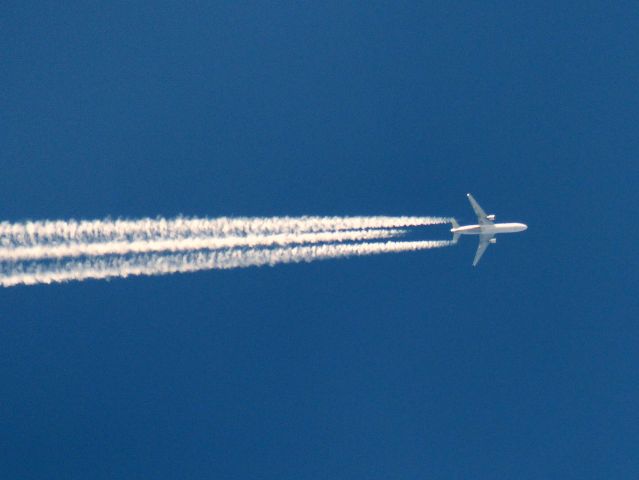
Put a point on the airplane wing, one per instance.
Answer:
(484, 241)
(481, 215)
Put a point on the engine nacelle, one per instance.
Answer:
(493, 240)
(490, 217)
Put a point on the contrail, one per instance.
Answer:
(161, 264)
(60, 251)
(37, 232)
(50, 251)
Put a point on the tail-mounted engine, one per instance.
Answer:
(491, 217)
(493, 240)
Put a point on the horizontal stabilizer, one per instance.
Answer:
(455, 225)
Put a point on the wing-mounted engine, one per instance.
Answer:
(493, 240)
(490, 217)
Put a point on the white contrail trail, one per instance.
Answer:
(159, 264)
(60, 251)
(62, 232)
(121, 247)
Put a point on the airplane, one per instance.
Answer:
(486, 229)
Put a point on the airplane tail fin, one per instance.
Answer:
(455, 225)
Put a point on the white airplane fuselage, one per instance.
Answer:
(485, 228)
(491, 229)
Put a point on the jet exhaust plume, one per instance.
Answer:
(121, 247)
(35, 232)
(59, 251)
(162, 264)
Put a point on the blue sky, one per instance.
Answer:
(402, 366)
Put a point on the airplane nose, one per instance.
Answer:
(524, 226)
